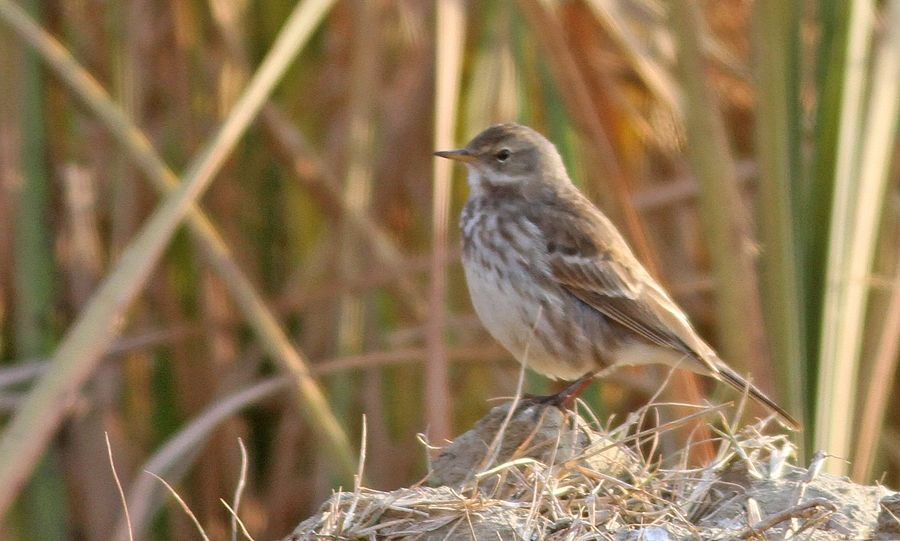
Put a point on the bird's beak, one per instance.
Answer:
(460, 155)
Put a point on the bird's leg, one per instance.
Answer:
(565, 399)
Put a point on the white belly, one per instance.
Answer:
(517, 318)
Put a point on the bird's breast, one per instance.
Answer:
(514, 295)
(502, 262)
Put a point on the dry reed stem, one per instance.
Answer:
(449, 43)
(238, 491)
(237, 519)
(184, 506)
(112, 467)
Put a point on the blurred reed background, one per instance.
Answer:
(747, 149)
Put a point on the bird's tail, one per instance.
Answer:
(734, 379)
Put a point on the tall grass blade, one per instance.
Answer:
(874, 167)
(722, 211)
(817, 193)
(776, 27)
(858, 187)
(882, 378)
(35, 279)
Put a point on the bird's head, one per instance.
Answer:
(509, 155)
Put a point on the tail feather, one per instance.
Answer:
(732, 378)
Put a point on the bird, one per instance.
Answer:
(553, 280)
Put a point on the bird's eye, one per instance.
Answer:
(502, 155)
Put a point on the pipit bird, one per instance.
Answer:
(554, 281)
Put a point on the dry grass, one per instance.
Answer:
(565, 477)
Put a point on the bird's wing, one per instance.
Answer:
(588, 257)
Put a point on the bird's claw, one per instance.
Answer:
(564, 399)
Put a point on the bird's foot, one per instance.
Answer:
(565, 399)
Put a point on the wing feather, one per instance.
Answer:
(590, 259)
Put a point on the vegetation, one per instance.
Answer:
(533, 472)
(747, 150)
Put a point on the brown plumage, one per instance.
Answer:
(553, 280)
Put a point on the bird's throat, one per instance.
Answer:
(481, 185)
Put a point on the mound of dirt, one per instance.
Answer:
(537, 473)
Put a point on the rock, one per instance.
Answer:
(888, 527)
(840, 508)
(535, 431)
